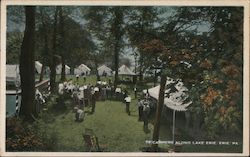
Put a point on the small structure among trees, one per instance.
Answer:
(125, 71)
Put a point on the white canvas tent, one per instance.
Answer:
(124, 70)
(38, 67)
(82, 69)
(104, 69)
(176, 99)
(59, 69)
(12, 73)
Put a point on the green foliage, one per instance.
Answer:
(14, 41)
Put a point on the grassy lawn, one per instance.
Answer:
(116, 131)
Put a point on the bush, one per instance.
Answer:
(36, 136)
(19, 137)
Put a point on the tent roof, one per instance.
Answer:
(83, 66)
(124, 70)
(38, 66)
(176, 99)
(37, 63)
(67, 66)
(104, 67)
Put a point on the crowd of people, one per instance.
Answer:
(83, 96)
(86, 96)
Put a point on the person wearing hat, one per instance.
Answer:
(104, 92)
(118, 92)
(77, 78)
(93, 99)
(145, 114)
(140, 109)
(135, 91)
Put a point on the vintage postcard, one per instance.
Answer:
(124, 78)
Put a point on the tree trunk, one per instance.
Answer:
(27, 66)
(61, 18)
(116, 66)
(63, 77)
(97, 75)
(118, 35)
(155, 76)
(159, 111)
(46, 47)
(52, 56)
(52, 74)
(141, 68)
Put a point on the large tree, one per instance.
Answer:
(27, 67)
(106, 26)
(166, 45)
(53, 54)
(214, 83)
(157, 48)
(42, 47)
(116, 31)
(141, 20)
(62, 40)
(221, 90)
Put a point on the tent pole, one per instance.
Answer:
(173, 126)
